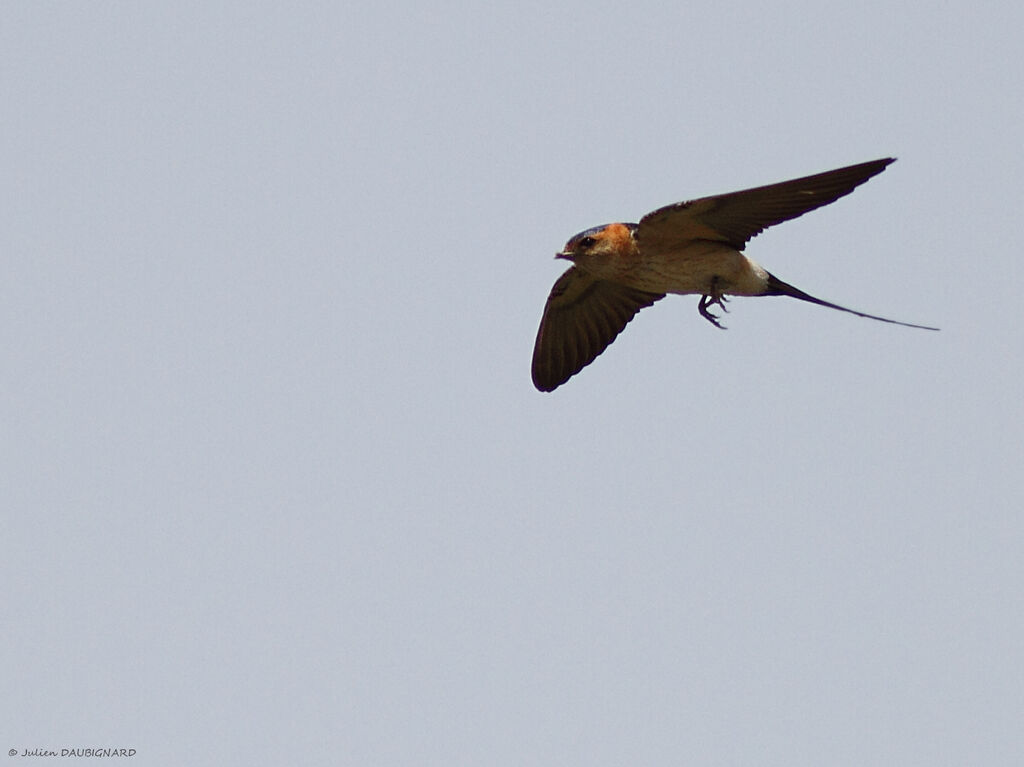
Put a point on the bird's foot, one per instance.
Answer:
(711, 300)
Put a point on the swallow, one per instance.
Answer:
(693, 247)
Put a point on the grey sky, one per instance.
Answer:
(277, 487)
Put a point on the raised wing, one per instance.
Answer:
(582, 316)
(736, 217)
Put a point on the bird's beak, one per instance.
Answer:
(564, 254)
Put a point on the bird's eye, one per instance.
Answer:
(587, 242)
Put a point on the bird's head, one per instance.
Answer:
(600, 246)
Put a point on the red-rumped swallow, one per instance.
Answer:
(689, 247)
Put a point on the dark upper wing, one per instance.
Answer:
(582, 316)
(735, 218)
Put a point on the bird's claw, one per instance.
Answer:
(712, 300)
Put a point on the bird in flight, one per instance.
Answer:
(689, 247)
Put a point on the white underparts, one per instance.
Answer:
(701, 267)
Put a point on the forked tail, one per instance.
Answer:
(777, 287)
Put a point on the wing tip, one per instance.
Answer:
(545, 384)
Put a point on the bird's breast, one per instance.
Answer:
(702, 266)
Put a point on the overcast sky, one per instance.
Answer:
(277, 487)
